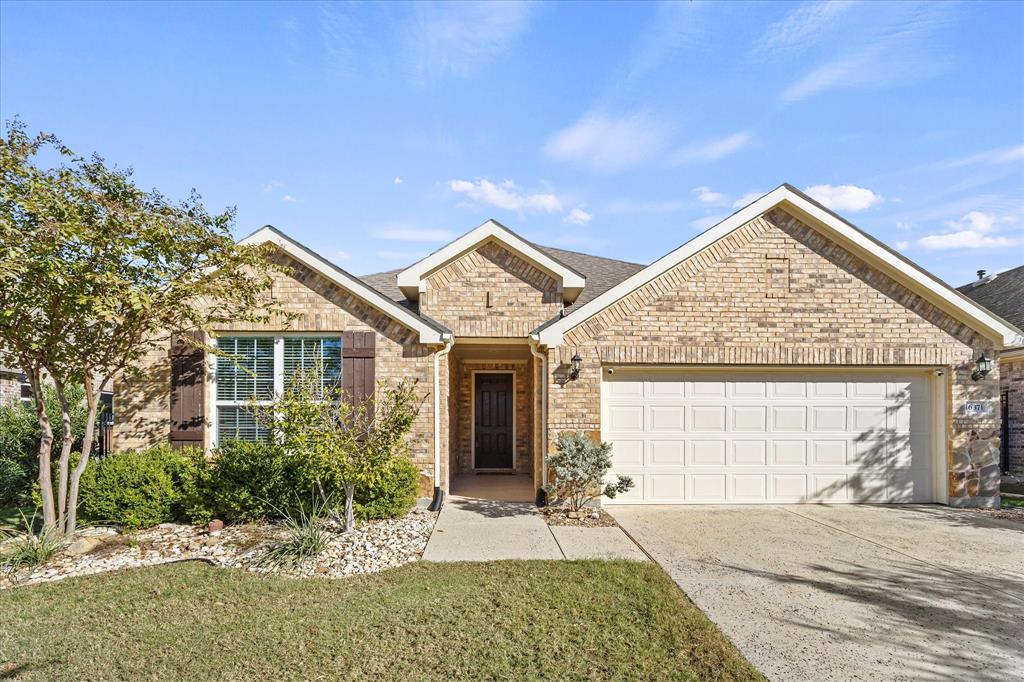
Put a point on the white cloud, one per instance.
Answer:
(853, 69)
(460, 37)
(706, 222)
(903, 225)
(403, 233)
(607, 144)
(577, 216)
(342, 255)
(270, 186)
(506, 195)
(902, 246)
(848, 198)
(747, 199)
(973, 231)
(398, 180)
(706, 195)
(992, 156)
(288, 199)
(712, 150)
(803, 27)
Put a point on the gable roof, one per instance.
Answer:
(832, 226)
(410, 279)
(1002, 293)
(429, 331)
(601, 274)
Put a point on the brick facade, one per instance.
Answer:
(776, 292)
(320, 306)
(1011, 383)
(10, 388)
(491, 292)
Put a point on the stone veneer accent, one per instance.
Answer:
(320, 306)
(777, 292)
(522, 296)
(1011, 382)
(462, 441)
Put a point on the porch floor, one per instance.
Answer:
(496, 487)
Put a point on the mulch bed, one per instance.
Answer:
(592, 518)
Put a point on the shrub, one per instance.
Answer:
(305, 537)
(24, 548)
(246, 482)
(393, 494)
(580, 467)
(138, 489)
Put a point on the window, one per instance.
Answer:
(260, 367)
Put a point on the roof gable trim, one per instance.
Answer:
(429, 333)
(410, 280)
(834, 227)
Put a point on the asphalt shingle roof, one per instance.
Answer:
(1003, 294)
(601, 273)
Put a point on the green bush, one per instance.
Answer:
(140, 488)
(247, 482)
(393, 495)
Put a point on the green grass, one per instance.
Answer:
(1012, 503)
(503, 620)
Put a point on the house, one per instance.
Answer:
(781, 356)
(1003, 294)
(12, 385)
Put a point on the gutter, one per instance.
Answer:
(438, 501)
(534, 340)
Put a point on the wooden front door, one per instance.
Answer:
(492, 421)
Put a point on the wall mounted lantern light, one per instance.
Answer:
(982, 366)
(574, 367)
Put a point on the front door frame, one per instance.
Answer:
(472, 416)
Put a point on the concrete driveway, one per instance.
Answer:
(817, 592)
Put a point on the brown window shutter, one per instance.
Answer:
(188, 384)
(358, 377)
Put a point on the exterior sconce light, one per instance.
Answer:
(982, 366)
(574, 368)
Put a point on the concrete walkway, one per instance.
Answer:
(850, 592)
(474, 526)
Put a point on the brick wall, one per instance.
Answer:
(321, 306)
(10, 388)
(1011, 381)
(776, 292)
(521, 296)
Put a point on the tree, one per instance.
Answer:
(96, 273)
(341, 444)
(580, 467)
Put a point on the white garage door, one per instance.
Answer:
(787, 436)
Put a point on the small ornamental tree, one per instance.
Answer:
(340, 444)
(95, 274)
(580, 467)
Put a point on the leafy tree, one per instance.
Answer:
(341, 444)
(96, 273)
(580, 467)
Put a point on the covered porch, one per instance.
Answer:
(494, 425)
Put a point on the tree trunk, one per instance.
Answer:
(327, 505)
(45, 446)
(67, 441)
(92, 395)
(350, 519)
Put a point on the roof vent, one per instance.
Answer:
(981, 274)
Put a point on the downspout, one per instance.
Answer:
(438, 501)
(534, 350)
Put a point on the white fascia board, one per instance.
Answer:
(410, 280)
(428, 333)
(837, 229)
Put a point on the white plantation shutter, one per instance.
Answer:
(306, 353)
(237, 423)
(249, 371)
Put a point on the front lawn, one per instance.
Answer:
(501, 620)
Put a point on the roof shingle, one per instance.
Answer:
(1003, 294)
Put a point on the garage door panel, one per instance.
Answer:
(776, 436)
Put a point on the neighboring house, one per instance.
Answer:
(11, 384)
(781, 356)
(1003, 294)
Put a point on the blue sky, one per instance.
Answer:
(374, 133)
